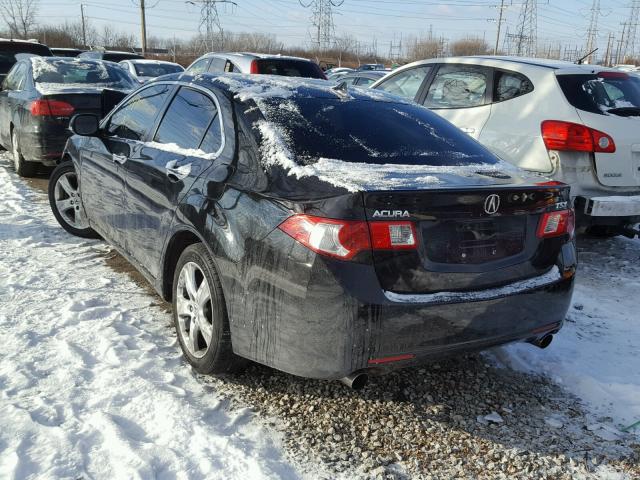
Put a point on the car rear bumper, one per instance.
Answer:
(328, 330)
(611, 206)
(43, 143)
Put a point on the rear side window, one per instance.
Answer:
(458, 86)
(137, 116)
(217, 65)
(604, 92)
(200, 66)
(289, 68)
(15, 78)
(365, 81)
(508, 85)
(187, 119)
(407, 83)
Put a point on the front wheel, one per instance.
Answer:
(65, 201)
(200, 314)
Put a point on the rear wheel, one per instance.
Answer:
(22, 167)
(65, 201)
(200, 314)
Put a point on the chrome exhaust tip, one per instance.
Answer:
(355, 381)
(543, 342)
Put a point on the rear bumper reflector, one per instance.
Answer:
(613, 206)
(548, 278)
(395, 358)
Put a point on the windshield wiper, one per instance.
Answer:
(625, 111)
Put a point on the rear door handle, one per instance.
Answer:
(177, 171)
(467, 129)
(119, 158)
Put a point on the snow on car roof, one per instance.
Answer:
(246, 87)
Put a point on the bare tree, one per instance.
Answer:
(20, 16)
(469, 46)
(423, 48)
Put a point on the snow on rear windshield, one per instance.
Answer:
(599, 94)
(156, 69)
(77, 73)
(370, 132)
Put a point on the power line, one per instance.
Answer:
(592, 32)
(210, 22)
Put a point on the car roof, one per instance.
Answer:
(247, 86)
(559, 67)
(252, 55)
(147, 60)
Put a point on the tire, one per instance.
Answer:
(21, 166)
(195, 318)
(66, 203)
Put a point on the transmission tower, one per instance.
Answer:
(629, 48)
(210, 22)
(592, 32)
(527, 32)
(322, 22)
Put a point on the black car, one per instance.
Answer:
(39, 96)
(110, 55)
(10, 48)
(326, 232)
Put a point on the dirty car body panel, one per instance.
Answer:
(471, 278)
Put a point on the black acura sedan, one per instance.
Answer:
(324, 231)
(39, 96)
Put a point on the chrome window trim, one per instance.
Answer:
(205, 91)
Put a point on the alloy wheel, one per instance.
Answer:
(194, 310)
(68, 202)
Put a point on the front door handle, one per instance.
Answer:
(119, 158)
(176, 171)
(468, 129)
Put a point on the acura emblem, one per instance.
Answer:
(492, 203)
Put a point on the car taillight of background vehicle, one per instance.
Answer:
(344, 239)
(51, 108)
(555, 224)
(254, 68)
(559, 135)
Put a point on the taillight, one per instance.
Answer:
(253, 68)
(344, 239)
(554, 224)
(559, 135)
(51, 108)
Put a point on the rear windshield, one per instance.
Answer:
(8, 53)
(603, 92)
(79, 72)
(289, 68)
(155, 69)
(371, 132)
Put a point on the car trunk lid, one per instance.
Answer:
(468, 238)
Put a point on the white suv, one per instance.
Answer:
(578, 124)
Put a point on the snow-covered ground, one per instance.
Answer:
(92, 383)
(597, 353)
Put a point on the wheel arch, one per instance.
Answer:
(179, 241)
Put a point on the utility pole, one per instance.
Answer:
(527, 29)
(84, 30)
(630, 41)
(592, 33)
(143, 28)
(322, 22)
(500, 14)
(210, 20)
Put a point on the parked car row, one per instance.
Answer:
(330, 231)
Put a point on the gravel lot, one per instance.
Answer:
(461, 418)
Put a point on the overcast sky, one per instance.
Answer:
(385, 20)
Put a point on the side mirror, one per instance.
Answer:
(84, 124)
